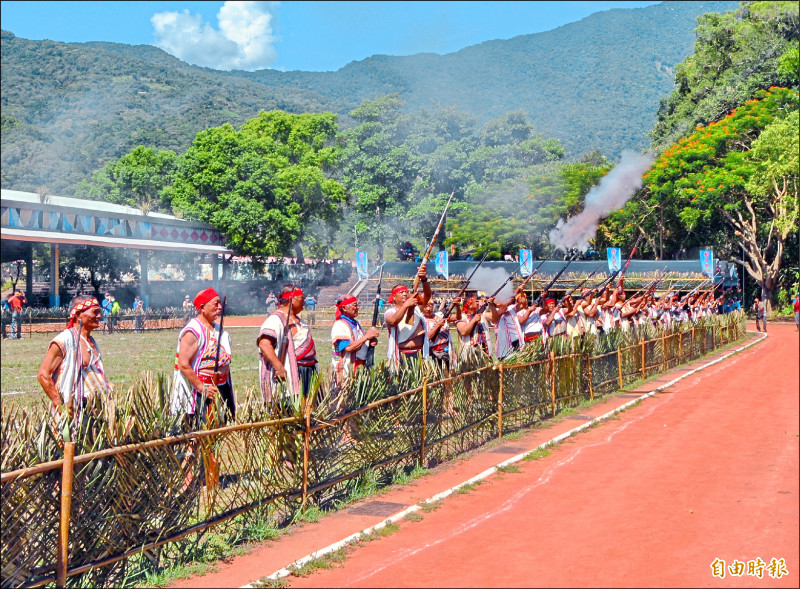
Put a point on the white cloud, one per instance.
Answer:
(244, 40)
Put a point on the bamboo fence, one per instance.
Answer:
(136, 482)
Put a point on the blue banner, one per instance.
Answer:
(442, 265)
(707, 262)
(361, 265)
(614, 258)
(525, 263)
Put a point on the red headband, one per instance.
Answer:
(343, 303)
(346, 301)
(290, 294)
(468, 302)
(397, 289)
(203, 297)
(79, 308)
(548, 301)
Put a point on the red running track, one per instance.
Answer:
(706, 470)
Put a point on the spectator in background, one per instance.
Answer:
(796, 309)
(115, 309)
(187, 308)
(17, 303)
(272, 302)
(6, 316)
(108, 303)
(761, 315)
(733, 274)
(311, 306)
(138, 312)
(727, 307)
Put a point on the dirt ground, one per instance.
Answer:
(703, 472)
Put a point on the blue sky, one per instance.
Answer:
(308, 36)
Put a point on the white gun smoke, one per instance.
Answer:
(489, 280)
(610, 194)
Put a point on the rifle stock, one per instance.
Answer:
(464, 287)
(584, 281)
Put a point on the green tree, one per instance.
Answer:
(735, 55)
(265, 185)
(379, 169)
(716, 180)
(773, 184)
(137, 179)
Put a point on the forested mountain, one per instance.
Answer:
(69, 108)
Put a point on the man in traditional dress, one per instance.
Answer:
(408, 337)
(474, 328)
(288, 353)
(555, 322)
(72, 369)
(350, 340)
(529, 318)
(441, 346)
(195, 382)
(510, 336)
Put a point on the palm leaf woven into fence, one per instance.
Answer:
(146, 487)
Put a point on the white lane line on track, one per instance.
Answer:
(490, 471)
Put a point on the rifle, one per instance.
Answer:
(464, 288)
(482, 308)
(553, 281)
(370, 359)
(427, 256)
(622, 269)
(521, 287)
(219, 334)
(585, 280)
(651, 286)
(694, 290)
(210, 406)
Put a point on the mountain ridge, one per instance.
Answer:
(594, 84)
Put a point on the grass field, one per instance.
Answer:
(127, 354)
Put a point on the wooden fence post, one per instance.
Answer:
(589, 374)
(644, 360)
(691, 355)
(424, 422)
(680, 347)
(663, 352)
(619, 366)
(306, 446)
(67, 471)
(553, 383)
(500, 406)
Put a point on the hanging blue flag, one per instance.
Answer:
(442, 268)
(707, 262)
(525, 263)
(361, 265)
(614, 258)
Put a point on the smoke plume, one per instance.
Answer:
(610, 194)
(488, 280)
